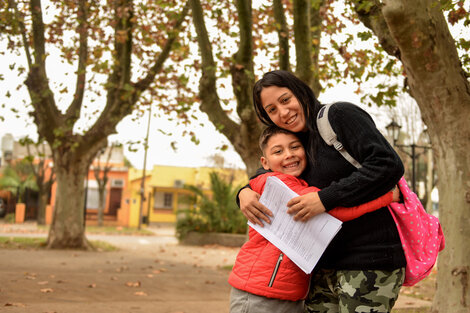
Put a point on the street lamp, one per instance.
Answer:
(142, 183)
(393, 130)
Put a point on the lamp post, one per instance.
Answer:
(142, 183)
(393, 130)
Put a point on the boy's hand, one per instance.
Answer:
(253, 210)
(305, 207)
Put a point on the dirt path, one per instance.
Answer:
(148, 274)
(69, 281)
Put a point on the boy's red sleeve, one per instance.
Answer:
(347, 214)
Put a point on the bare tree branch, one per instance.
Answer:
(316, 29)
(120, 98)
(303, 40)
(207, 86)
(46, 114)
(370, 14)
(73, 112)
(283, 35)
(24, 36)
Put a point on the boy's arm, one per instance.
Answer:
(347, 214)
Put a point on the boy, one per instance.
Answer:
(263, 278)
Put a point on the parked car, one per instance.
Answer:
(3, 207)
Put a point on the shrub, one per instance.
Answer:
(217, 212)
(9, 218)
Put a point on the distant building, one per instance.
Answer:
(165, 193)
(117, 180)
(164, 188)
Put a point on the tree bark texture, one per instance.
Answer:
(303, 41)
(68, 227)
(442, 91)
(282, 34)
(42, 202)
(372, 17)
(101, 205)
(316, 21)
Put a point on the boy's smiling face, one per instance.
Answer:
(284, 153)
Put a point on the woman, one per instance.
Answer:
(363, 268)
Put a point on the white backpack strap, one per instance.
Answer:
(329, 135)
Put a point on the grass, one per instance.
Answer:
(40, 243)
(22, 243)
(227, 267)
(117, 230)
(109, 230)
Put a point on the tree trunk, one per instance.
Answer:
(442, 91)
(42, 202)
(429, 181)
(316, 21)
(454, 213)
(101, 205)
(282, 35)
(303, 41)
(68, 227)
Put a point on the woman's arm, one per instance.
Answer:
(310, 196)
(381, 166)
(347, 214)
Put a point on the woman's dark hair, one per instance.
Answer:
(304, 95)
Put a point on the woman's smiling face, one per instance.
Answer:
(283, 108)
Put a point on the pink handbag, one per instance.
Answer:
(420, 234)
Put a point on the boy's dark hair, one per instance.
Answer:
(270, 131)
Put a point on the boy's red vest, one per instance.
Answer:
(260, 269)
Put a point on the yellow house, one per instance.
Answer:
(164, 191)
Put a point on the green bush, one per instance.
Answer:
(215, 213)
(9, 218)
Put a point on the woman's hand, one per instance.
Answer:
(396, 194)
(253, 210)
(305, 207)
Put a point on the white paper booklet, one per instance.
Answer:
(302, 242)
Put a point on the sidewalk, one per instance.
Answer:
(148, 274)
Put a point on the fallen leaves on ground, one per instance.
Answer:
(30, 276)
(122, 269)
(161, 270)
(133, 284)
(17, 304)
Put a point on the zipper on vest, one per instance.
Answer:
(276, 268)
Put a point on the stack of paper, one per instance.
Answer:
(302, 242)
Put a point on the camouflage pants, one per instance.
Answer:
(334, 291)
